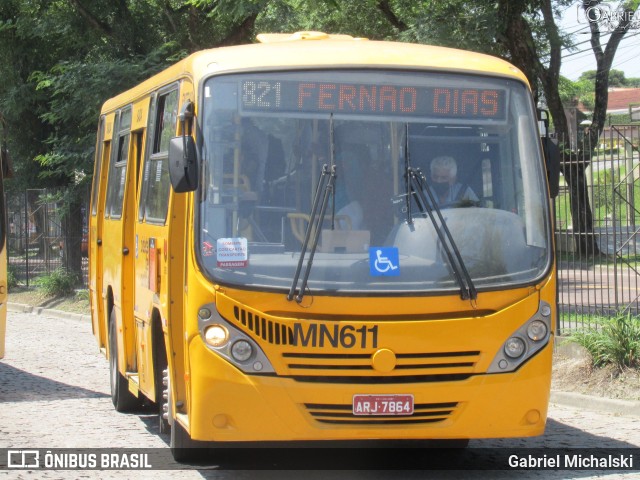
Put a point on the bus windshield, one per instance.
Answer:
(270, 139)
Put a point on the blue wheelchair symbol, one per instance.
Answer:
(384, 261)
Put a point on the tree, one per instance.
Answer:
(616, 77)
(518, 35)
(519, 40)
(574, 171)
(60, 59)
(604, 59)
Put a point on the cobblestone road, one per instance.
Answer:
(54, 393)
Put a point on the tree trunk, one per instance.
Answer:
(519, 41)
(574, 171)
(582, 215)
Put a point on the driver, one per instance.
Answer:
(447, 191)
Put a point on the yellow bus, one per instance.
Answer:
(320, 237)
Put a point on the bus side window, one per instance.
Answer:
(97, 168)
(156, 184)
(118, 170)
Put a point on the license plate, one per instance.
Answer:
(382, 405)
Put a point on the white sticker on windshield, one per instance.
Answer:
(232, 252)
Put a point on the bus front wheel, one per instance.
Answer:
(164, 404)
(123, 400)
(183, 447)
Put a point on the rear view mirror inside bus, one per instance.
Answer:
(183, 165)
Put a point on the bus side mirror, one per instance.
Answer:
(183, 164)
(551, 154)
(552, 163)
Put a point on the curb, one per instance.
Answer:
(587, 402)
(568, 399)
(48, 312)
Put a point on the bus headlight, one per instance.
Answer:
(231, 342)
(242, 350)
(536, 330)
(514, 347)
(525, 342)
(216, 335)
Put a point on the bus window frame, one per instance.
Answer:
(153, 155)
(98, 166)
(502, 144)
(116, 164)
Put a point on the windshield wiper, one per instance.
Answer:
(430, 206)
(324, 190)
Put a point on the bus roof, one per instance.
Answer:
(308, 50)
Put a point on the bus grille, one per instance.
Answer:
(430, 364)
(270, 331)
(424, 413)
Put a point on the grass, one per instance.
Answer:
(612, 341)
(59, 283)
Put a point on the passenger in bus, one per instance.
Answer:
(262, 159)
(445, 187)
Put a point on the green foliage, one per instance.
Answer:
(581, 91)
(59, 283)
(76, 91)
(360, 19)
(616, 341)
(603, 196)
(60, 60)
(616, 78)
(82, 295)
(12, 276)
(619, 119)
(457, 24)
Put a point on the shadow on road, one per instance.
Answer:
(483, 459)
(19, 386)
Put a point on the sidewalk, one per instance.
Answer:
(569, 399)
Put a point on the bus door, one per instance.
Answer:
(131, 234)
(103, 150)
(151, 235)
(118, 236)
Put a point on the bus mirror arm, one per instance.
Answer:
(183, 161)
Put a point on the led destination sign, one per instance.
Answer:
(369, 99)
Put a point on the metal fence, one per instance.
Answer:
(36, 236)
(597, 218)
